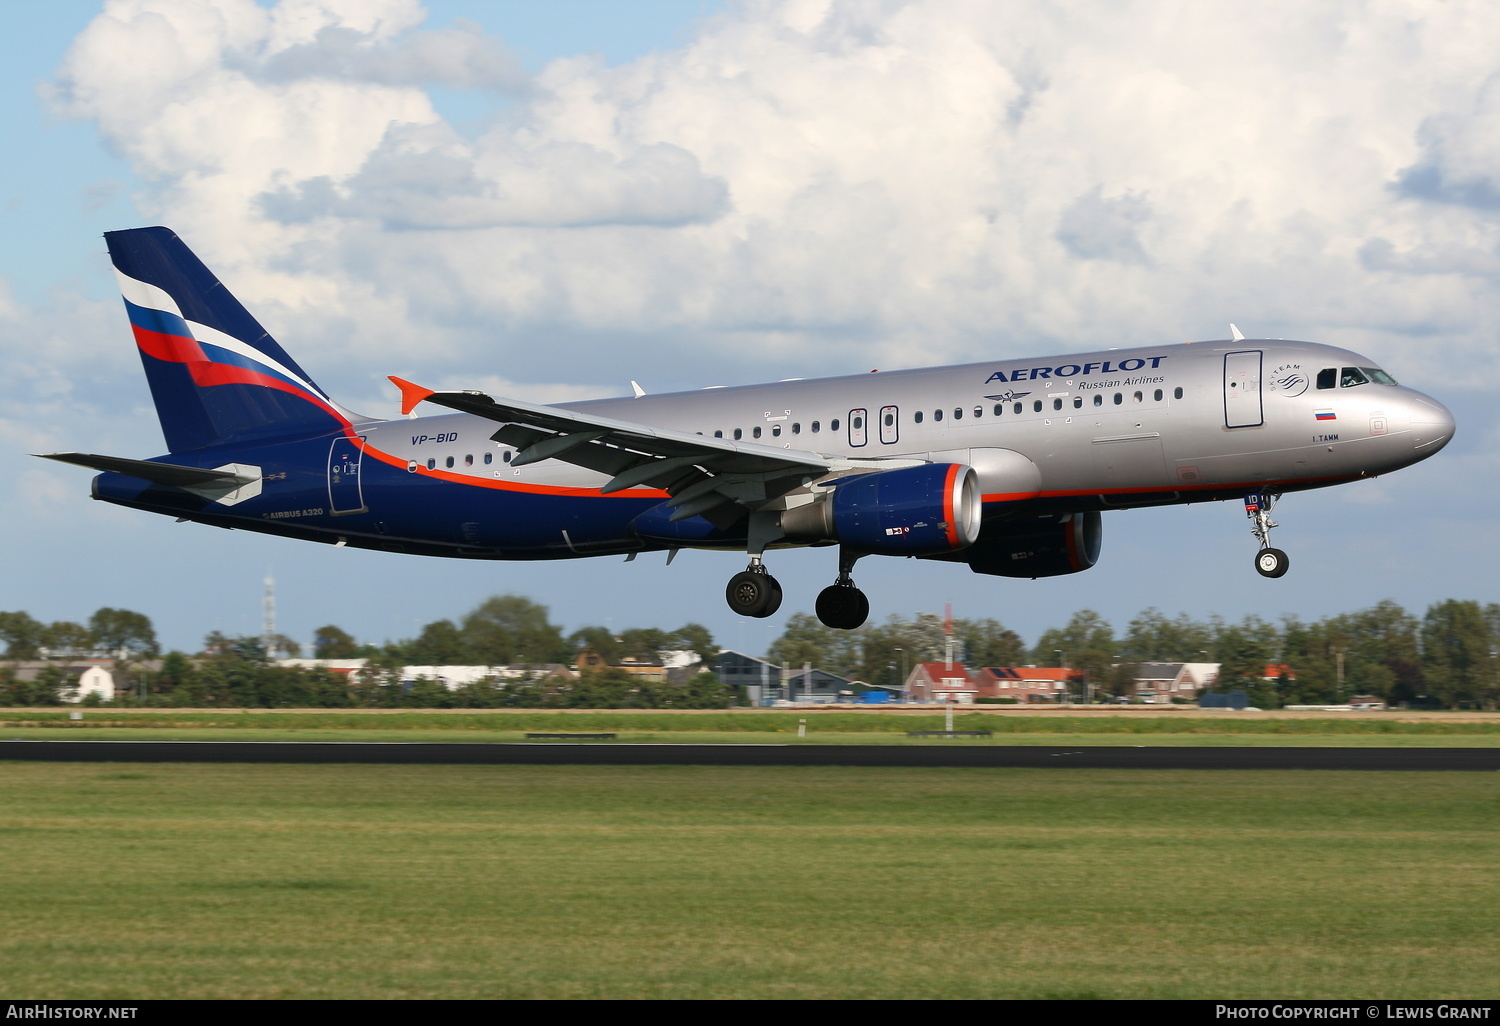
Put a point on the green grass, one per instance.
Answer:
(815, 736)
(458, 725)
(544, 882)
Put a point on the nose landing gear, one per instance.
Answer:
(1269, 562)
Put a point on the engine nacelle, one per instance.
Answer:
(914, 511)
(1036, 546)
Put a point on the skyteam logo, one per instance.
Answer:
(1289, 380)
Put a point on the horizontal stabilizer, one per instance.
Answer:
(227, 485)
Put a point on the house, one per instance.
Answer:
(1160, 683)
(1028, 684)
(941, 682)
(81, 677)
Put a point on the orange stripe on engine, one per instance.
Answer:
(950, 508)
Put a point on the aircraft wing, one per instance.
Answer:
(710, 477)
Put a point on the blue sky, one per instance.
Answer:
(829, 187)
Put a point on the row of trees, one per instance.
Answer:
(237, 679)
(110, 634)
(1450, 656)
(513, 629)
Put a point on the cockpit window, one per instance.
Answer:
(1351, 376)
(1378, 376)
(1328, 377)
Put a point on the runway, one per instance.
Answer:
(611, 754)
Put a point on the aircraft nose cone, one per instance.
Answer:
(1431, 425)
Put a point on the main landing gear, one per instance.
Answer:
(753, 591)
(1269, 562)
(841, 605)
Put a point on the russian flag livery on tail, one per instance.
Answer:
(217, 376)
(928, 462)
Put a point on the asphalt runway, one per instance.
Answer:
(611, 754)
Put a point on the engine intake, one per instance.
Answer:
(1036, 547)
(914, 511)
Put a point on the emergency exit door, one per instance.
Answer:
(1242, 407)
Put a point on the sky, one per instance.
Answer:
(546, 201)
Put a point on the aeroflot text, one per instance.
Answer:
(1076, 370)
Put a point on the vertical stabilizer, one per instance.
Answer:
(217, 376)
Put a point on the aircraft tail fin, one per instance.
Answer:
(217, 377)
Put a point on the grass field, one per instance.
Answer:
(824, 727)
(520, 881)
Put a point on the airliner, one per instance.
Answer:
(1004, 465)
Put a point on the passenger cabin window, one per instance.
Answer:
(1036, 407)
(817, 427)
(489, 458)
(1177, 392)
(775, 430)
(738, 434)
(937, 414)
(755, 432)
(958, 414)
(979, 411)
(917, 417)
(1098, 398)
(1119, 398)
(833, 425)
(1018, 408)
(718, 434)
(999, 409)
(1157, 395)
(1078, 402)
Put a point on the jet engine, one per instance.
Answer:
(1036, 546)
(914, 511)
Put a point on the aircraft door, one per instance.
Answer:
(890, 425)
(1242, 406)
(858, 433)
(345, 493)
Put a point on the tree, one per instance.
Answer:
(1458, 655)
(513, 629)
(987, 643)
(330, 642)
(696, 638)
(440, 644)
(601, 639)
(22, 635)
(123, 634)
(67, 640)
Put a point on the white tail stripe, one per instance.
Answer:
(152, 297)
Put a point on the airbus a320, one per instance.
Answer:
(1003, 465)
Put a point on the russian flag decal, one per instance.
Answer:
(1324, 415)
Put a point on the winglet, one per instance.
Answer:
(1234, 333)
(637, 389)
(410, 394)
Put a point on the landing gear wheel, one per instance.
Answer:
(753, 594)
(842, 607)
(1271, 562)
